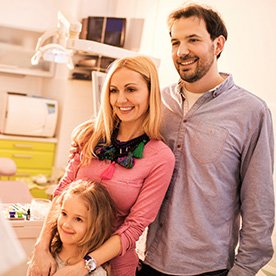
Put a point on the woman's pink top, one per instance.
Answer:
(137, 193)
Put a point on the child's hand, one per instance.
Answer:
(42, 263)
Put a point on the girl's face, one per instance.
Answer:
(129, 96)
(73, 220)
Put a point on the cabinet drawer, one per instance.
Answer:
(29, 159)
(27, 173)
(26, 145)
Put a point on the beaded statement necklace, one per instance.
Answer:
(122, 153)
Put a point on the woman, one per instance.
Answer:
(123, 150)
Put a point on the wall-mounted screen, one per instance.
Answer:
(108, 30)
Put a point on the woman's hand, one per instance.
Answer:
(42, 263)
(77, 269)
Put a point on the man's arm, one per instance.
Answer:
(257, 200)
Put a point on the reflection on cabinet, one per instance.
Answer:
(31, 157)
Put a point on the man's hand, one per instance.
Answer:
(74, 148)
(42, 263)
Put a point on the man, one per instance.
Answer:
(221, 193)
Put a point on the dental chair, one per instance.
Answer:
(12, 191)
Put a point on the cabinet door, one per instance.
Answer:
(23, 173)
(31, 158)
(28, 159)
(26, 145)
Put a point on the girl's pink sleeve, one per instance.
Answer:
(70, 174)
(148, 203)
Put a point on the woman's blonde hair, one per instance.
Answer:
(90, 133)
(101, 216)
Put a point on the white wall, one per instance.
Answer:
(249, 53)
(75, 106)
(29, 14)
(20, 83)
(250, 50)
(74, 97)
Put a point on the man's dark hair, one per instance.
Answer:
(214, 23)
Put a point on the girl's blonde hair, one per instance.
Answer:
(101, 216)
(90, 133)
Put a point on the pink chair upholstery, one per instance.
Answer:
(7, 167)
(14, 192)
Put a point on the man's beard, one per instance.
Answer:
(202, 68)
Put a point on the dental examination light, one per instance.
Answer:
(53, 53)
(66, 41)
(57, 52)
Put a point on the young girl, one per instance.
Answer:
(83, 221)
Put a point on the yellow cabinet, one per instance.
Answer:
(31, 157)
